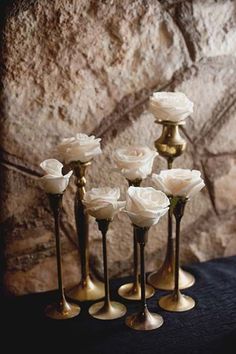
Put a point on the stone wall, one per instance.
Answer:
(89, 66)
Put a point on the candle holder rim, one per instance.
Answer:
(135, 182)
(168, 122)
(79, 163)
(144, 228)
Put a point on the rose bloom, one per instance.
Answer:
(135, 162)
(81, 148)
(179, 182)
(54, 182)
(145, 206)
(102, 203)
(170, 106)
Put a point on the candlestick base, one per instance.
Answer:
(131, 292)
(62, 310)
(110, 311)
(164, 278)
(144, 321)
(88, 290)
(176, 302)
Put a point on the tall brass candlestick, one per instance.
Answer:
(177, 302)
(107, 309)
(132, 291)
(61, 310)
(170, 145)
(88, 289)
(143, 320)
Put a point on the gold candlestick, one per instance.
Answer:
(177, 302)
(170, 145)
(107, 309)
(132, 291)
(88, 289)
(61, 310)
(143, 320)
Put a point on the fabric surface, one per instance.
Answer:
(209, 328)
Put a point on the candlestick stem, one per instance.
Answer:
(88, 289)
(63, 309)
(143, 320)
(132, 291)
(176, 301)
(170, 145)
(107, 309)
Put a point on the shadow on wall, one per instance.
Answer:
(7, 8)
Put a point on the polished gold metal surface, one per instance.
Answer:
(61, 310)
(132, 291)
(107, 309)
(170, 145)
(129, 291)
(143, 320)
(177, 302)
(164, 278)
(88, 289)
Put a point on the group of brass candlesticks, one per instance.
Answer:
(144, 206)
(169, 277)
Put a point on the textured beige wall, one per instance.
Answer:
(90, 66)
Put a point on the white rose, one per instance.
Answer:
(146, 205)
(135, 162)
(81, 148)
(102, 203)
(170, 106)
(54, 182)
(179, 182)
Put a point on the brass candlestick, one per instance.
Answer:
(143, 320)
(170, 145)
(132, 291)
(61, 310)
(177, 302)
(107, 309)
(88, 289)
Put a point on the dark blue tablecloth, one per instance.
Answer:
(209, 328)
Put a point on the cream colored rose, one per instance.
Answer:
(146, 205)
(102, 203)
(81, 148)
(170, 106)
(135, 162)
(54, 182)
(179, 182)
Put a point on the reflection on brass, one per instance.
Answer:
(61, 310)
(88, 289)
(177, 302)
(132, 291)
(170, 145)
(164, 278)
(143, 320)
(107, 309)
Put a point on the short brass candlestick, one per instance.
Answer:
(61, 310)
(143, 320)
(170, 145)
(107, 309)
(177, 302)
(88, 289)
(132, 291)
